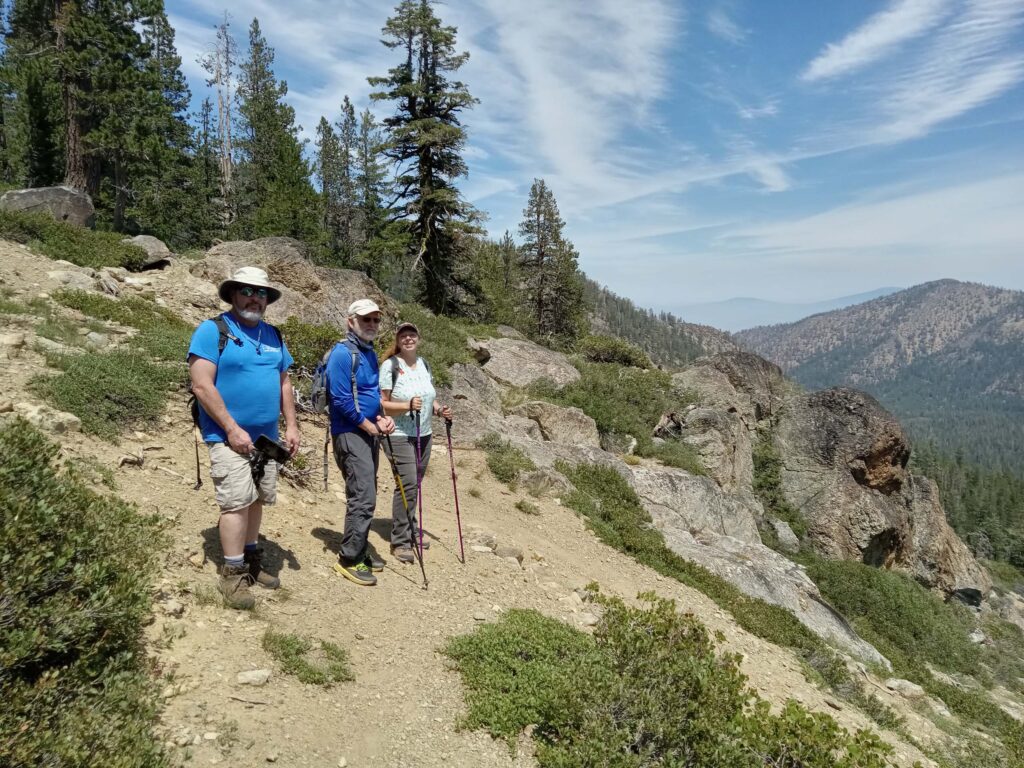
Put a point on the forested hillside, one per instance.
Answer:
(668, 341)
(946, 357)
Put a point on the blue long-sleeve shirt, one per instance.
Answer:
(344, 417)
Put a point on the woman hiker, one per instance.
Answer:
(407, 388)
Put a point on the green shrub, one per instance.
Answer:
(296, 656)
(162, 334)
(647, 689)
(676, 453)
(611, 349)
(504, 460)
(768, 485)
(527, 507)
(76, 570)
(108, 391)
(58, 240)
(307, 343)
(897, 615)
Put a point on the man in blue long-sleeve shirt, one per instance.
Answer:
(357, 422)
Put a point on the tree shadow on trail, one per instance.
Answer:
(274, 555)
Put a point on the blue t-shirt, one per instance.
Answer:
(248, 377)
(344, 417)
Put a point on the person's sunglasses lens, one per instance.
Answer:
(248, 290)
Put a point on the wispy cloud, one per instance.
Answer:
(879, 36)
(721, 24)
(970, 61)
(769, 109)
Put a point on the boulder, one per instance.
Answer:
(788, 541)
(520, 363)
(845, 469)
(545, 482)
(757, 571)
(62, 203)
(73, 278)
(737, 382)
(616, 443)
(905, 688)
(158, 254)
(48, 419)
(938, 558)
(558, 424)
(724, 445)
(476, 400)
(313, 294)
(678, 500)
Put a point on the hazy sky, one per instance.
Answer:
(790, 150)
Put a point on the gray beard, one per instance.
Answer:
(250, 314)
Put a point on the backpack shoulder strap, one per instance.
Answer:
(354, 351)
(225, 334)
(394, 371)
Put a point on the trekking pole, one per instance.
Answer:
(390, 453)
(455, 488)
(419, 479)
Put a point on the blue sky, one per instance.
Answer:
(790, 150)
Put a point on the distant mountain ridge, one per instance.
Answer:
(740, 313)
(945, 356)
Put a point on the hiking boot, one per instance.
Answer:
(403, 554)
(254, 559)
(234, 585)
(374, 561)
(359, 573)
(426, 541)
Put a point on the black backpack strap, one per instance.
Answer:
(225, 334)
(354, 351)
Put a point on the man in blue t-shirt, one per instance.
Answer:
(357, 423)
(242, 388)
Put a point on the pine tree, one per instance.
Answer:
(274, 196)
(30, 100)
(163, 182)
(327, 170)
(425, 141)
(553, 289)
(220, 65)
(206, 174)
(349, 235)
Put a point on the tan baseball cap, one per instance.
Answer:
(362, 307)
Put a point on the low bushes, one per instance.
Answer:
(58, 240)
(75, 576)
(647, 689)
(611, 349)
(504, 460)
(296, 655)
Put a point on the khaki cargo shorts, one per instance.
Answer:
(232, 477)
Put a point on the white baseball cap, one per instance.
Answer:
(362, 307)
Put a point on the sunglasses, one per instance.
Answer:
(369, 320)
(248, 290)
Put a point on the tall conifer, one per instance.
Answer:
(425, 141)
(274, 196)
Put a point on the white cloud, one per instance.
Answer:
(720, 23)
(877, 37)
(968, 63)
(953, 221)
(768, 109)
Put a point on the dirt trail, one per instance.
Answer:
(403, 708)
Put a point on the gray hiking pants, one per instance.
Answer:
(357, 454)
(405, 458)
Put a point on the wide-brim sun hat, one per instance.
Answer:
(362, 307)
(253, 276)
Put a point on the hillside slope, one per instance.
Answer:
(405, 703)
(946, 357)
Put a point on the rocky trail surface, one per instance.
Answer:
(404, 705)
